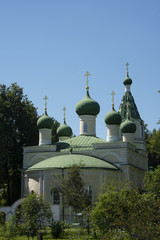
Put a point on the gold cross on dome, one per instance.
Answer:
(64, 109)
(45, 98)
(113, 93)
(127, 64)
(86, 75)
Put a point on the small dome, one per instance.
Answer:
(113, 117)
(45, 121)
(127, 80)
(87, 106)
(64, 131)
(128, 126)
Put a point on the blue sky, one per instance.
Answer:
(46, 46)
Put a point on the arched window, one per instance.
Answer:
(55, 196)
(85, 127)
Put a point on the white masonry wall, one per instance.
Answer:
(44, 136)
(88, 122)
(113, 133)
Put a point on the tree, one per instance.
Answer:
(36, 213)
(123, 211)
(18, 127)
(152, 182)
(73, 189)
(153, 145)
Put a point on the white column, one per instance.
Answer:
(25, 185)
(41, 184)
(44, 185)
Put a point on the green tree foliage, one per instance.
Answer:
(36, 213)
(152, 182)
(2, 218)
(153, 145)
(73, 189)
(124, 213)
(18, 128)
(54, 131)
(57, 229)
(18, 119)
(12, 228)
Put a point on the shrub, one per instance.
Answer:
(57, 229)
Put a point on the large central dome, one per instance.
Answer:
(87, 106)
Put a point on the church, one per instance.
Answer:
(121, 156)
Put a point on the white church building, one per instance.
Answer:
(121, 156)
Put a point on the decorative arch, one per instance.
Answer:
(16, 204)
(110, 154)
(7, 211)
(10, 210)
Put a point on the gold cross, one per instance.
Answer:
(113, 93)
(127, 64)
(86, 75)
(45, 98)
(64, 109)
(127, 105)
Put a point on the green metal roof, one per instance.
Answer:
(133, 111)
(79, 143)
(66, 161)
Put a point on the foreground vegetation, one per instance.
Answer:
(69, 233)
(121, 212)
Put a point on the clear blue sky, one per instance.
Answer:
(46, 46)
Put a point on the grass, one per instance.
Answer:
(70, 234)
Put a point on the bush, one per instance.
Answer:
(36, 213)
(2, 218)
(125, 211)
(13, 228)
(57, 229)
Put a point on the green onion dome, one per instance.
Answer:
(64, 130)
(87, 106)
(113, 118)
(45, 121)
(128, 126)
(127, 80)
